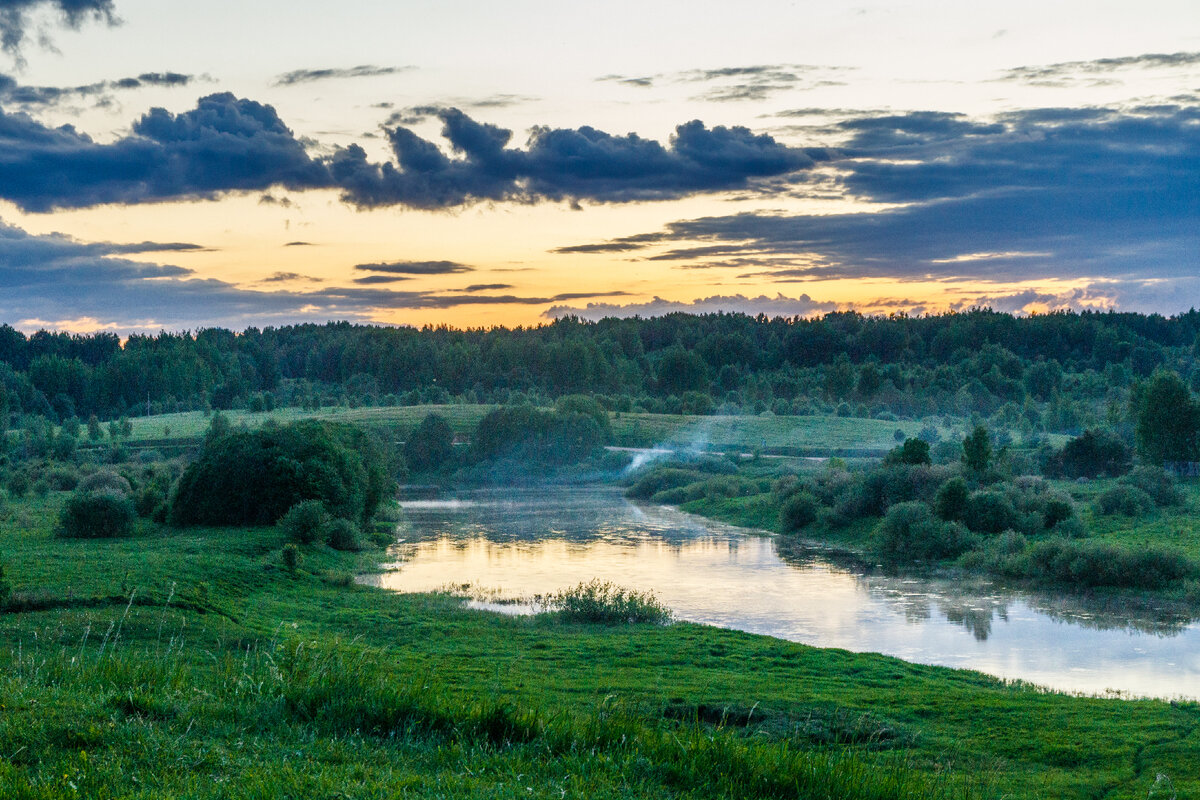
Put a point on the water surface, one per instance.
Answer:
(513, 544)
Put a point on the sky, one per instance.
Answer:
(178, 166)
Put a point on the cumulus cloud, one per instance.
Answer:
(311, 75)
(559, 164)
(15, 16)
(225, 144)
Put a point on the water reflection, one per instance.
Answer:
(519, 543)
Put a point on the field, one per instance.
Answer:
(787, 435)
(192, 663)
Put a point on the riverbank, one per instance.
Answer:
(193, 663)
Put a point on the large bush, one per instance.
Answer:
(798, 511)
(97, 515)
(254, 477)
(1156, 482)
(1124, 499)
(989, 512)
(1102, 564)
(911, 532)
(430, 446)
(525, 433)
(1094, 454)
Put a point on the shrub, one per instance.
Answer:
(1125, 499)
(1058, 510)
(105, 481)
(1103, 564)
(18, 484)
(341, 534)
(911, 532)
(913, 451)
(1156, 482)
(291, 558)
(96, 515)
(430, 446)
(62, 479)
(525, 433)
(254, 477)
(951, 500)
(989, 512)
(661, 479)
(304, 523)
(606, 603)
(1091, 455)
(798, 511)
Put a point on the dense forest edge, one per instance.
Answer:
(184, 514)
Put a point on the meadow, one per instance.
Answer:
(194, 663)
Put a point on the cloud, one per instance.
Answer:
(416, 267)
(1069, 73)
(559, 164)
(282, 277)
(15, 17)
(375, 279)
(299, 244)
(311, 75)
(224, 145)
(92, 285)
(732, 84)
(14, 94)
(778, 306)
(486, 287)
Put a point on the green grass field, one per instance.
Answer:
(823, 435)
(191, 664)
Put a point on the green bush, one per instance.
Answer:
(1091, 455)
(952, 498)
(341, 534)
(528, 434)
(291, 557)
(62, 479)
(911, 532)
(96, 515)
(254, 477)
(1103, 564)
(798, 511)
(608, 604)
(989, 512)
(661, 479)
(1125, 499)
(430, 446)
(105, 481)
(304, 523)
(913, 451)
(1156, 482)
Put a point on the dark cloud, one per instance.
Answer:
(487, 287)
(225, 144)
(778, 306)
(416, 268)
(281, 277)
(299, 244)
(732, 84)
(311, 75)
(15, 17)
(14, 94)
(57, 281)
(1069, 73)
(1104, 195)
(559, 164)
(376, 279)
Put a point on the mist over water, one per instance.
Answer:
(509, 545)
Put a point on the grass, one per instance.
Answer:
(797, 436)
(191, 663)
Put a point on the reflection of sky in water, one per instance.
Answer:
(525, 542)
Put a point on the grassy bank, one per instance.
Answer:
(192, 663)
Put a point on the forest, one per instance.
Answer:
(1061, 372)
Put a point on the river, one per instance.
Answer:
(509, 545)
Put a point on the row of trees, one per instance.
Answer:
(975, 361)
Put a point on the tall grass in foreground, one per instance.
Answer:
(606, 603)
(85, 722)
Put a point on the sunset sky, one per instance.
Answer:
(180, 165)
